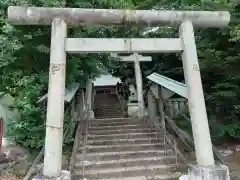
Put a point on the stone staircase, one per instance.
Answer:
(123, 148)
(107, 106)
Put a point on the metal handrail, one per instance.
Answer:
(78, 131)
(190, 140)
(167, 140)
(41, 153)
(215, 151)
(185, 139)
(85, 142)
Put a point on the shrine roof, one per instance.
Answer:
(170, 84)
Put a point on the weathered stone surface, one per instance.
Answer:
(90, 115)
(65, 161)
(3, 158)
(124, 152)
(65, 175)
(217, 172)
(184, 177)
(14, 159)
(76, 16)
(13, 151)
(133, 109)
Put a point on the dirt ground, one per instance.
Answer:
(11, 178)
(231, 156)
(230, 153)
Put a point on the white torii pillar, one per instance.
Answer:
(136, 58)
(55, 107)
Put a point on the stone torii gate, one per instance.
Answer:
(61, 18)
(136, 58)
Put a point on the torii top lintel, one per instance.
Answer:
(75, 16)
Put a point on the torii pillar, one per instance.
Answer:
(137, 58)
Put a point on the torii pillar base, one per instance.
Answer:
(90, 115)
(216, 172)
(65, 175)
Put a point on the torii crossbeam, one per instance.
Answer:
(76, 16)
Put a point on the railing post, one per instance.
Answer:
(170, 106)
(138, 76)
(73, 115)
(84, 104)
(151, 111)
(79, 106)
(163, 121)
(182, 105)
(175, 107)
(93, 97)
(1, 131)
(89, 92)
(55, 105)
(162, 113)
(203, 146)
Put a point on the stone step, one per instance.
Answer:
(117, 131)
(106, 98)
(114, 120)
(132, 171)
(125, 136)
(94, 123)
(121, 147)
(109, 105)
(129, 126)
(108, 109)
(107, 116)
(108, 112)
(169, 176)
(102, 113)
(96, 142)
(122, 163)
(104, 156)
